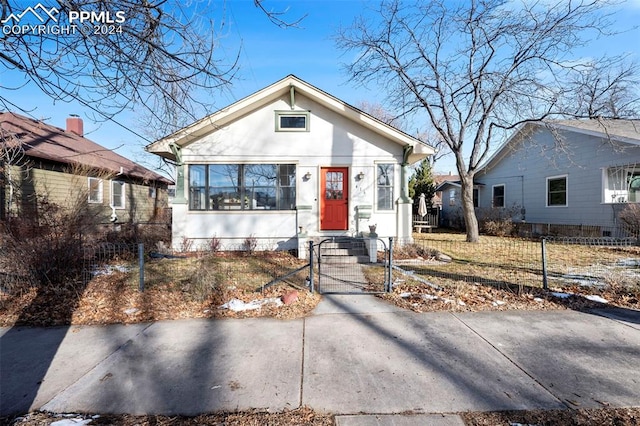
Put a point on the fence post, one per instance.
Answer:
(545, 283)
(390, 266)
(141, 265)
(311, 266)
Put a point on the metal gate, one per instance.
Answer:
(349, 265)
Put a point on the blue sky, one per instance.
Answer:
(269, 53)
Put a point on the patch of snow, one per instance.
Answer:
(429, 297)
(71, 422)
(131, 311)
(538, 299)
(561, 295)
(405, 295)
(629, 262)
(595, 298)
(461, 303)
(499, 303)
(110, 269)
(237, 305)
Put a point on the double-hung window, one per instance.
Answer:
(385, 186)
(117, 194)
(95, 191)
(498, 196)
(557, 191)
(242, 186)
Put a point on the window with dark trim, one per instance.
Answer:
(292, 121)
(385, 186)
(557, 191)
(475, 197)
(242, 186)
(498, 196)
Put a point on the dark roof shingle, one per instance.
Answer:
(47, 142)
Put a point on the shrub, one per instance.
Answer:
(214, 244)
(498, 221)
(630, 219)
(186, 244)
(250, 244)
(46, 247)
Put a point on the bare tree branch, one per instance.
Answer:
(163, 56)
(480, 68)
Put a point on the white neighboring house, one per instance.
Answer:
(288, 163)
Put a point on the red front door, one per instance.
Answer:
(334, 203)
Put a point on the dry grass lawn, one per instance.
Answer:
(196, 287)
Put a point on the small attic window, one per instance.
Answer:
(292, 121)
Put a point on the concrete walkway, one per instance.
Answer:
(356, 356)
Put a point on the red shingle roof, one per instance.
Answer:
(41, 140)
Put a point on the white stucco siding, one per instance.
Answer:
(272, 230)
(332, 140)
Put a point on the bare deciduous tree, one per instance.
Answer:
(155, 54)
(604, 88)
(381, 113)
(475, 70)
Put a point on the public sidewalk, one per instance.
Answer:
(355, 355)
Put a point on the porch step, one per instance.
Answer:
(345, 259)
(344, 251)
(344, 244)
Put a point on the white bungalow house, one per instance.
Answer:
(288, 163)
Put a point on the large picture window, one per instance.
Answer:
(242, 187)
(557, 191)
(621, 184)
(385, 186)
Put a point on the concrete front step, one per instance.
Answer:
(354, 244)
(345, 259)
(343, 252)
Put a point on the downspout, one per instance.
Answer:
(179, 197)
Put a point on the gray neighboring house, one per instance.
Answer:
(570, 172)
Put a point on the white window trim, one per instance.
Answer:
(305, 114)
(123, 196)
(393, 186)
(546, 191)
(100, 191)
(504, 196)
(616, 196)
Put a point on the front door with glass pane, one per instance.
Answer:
(334, 204)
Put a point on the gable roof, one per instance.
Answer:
(47, 142)
(615, 130)
(269, 94)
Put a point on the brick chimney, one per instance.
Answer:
(75, 125)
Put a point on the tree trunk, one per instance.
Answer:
(468, 211)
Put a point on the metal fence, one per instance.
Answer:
(196, 272)
(505, 262)
(362, 265)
